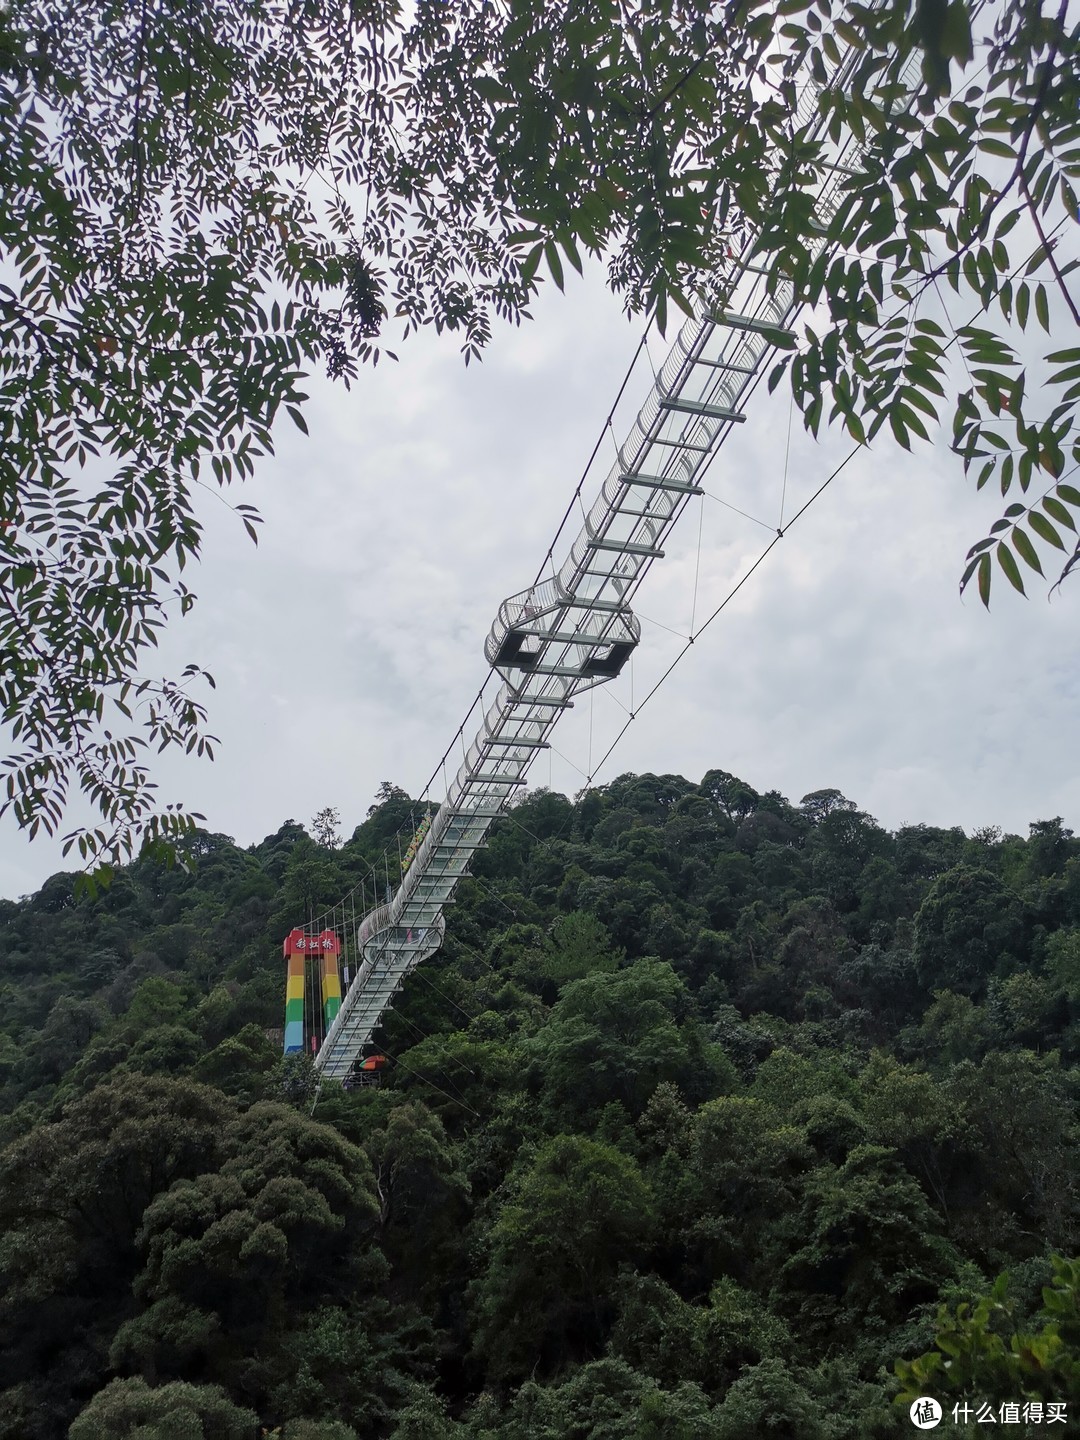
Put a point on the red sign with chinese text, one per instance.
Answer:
(298, 942)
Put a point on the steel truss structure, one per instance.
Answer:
(576, 629)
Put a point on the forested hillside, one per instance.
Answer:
(706, 1106)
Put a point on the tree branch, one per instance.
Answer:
(1048, 247)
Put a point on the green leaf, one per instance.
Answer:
(1023, 305)
(969, 571)
(660, 311)
(781, 339)
(956, 33)
(1044, 529)
(531, 262)
(1057, 510)
(1026, 550)
(990, 146)
(1042, 307)
(1010, 567)
(551, 255)
(984, 579)
(566, 240)
(488, 88)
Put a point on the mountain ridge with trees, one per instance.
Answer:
(707, 1106)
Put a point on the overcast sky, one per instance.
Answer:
(349, 645)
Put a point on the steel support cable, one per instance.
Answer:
(431, 1035)
(422, 974)
(459, 1099)
(635, 710)
(660, 624)
(473, 953)
(478, 880)
(566, 761)
(708, 495)
(393, 1010)
(726, 601)
(595, 450)
(592, 716)
(613, 697)
(697, 567)
(787, 457)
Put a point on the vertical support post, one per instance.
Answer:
(295, 950)
(330, 948)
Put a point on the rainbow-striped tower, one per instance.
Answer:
(326, 946)
(295, 948)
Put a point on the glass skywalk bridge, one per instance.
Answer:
(577, 629)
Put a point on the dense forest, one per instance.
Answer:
(714, 1114)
